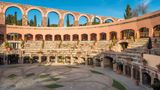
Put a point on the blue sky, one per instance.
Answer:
(114, 8)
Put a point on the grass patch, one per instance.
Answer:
(72, 67)
(118, 85)
(96, 72)
(12, 76)
(44, 76)
(30, 74)
(53, 86)
(51, 79)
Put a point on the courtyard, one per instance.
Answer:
(52, 77)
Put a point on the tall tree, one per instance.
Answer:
(31, 23)
(48, 22)
(15, 18)
(35, 21)
(128, 12)
(68, 22)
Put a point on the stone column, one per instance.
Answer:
(115, 67)
(24, 20)
(48, 59)
(124, 69)
(76, 23)
(61, 22)
(86, 61)
(40, 59)
(2, 18)
(151, 32)
(56, 59)
(72, 61)
(132, 72)
(140, 72)
(94, 61)
(119, 35)
(138, 34)
(44, 21)
(98, 37)
(108, 36)
(102, 63)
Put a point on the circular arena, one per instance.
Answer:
(122, 46)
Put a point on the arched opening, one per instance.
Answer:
(43, 58)
(146, 79)
(13, 59)
(1, 38)
(57, 38)
(136, 73)
(28, 37)
(39, 37)
(34, 18)
(96, 21)
(144, 32)
(128, 70)
(66, 37)
(93, 37)
(83, 20)
(119, 67)
(52, 19)
(108, 21)
(124, 45)
(14, 36)
(52, 58)
(13, 16)
(156, 31)
(84, 37)
(108, 62)
(35, 59)
(75, 37)
(26, 59)
(48, 37)
(127, 34)
(113, 35)
(69, 20)
(103, 36)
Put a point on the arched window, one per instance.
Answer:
(95, 21)
(39, 37)
(75, 37)
(113, 35)
(102, 36)
(52, 19)
(48, 37)
(83, 21)
(127, 34)
(13, 16)
(57, 38)
(14, 36)
(66, 37)
(34, 18)
(28, 37)
(156, 31)
(108, 21)
(93, 37)
(69, 20)
(144, 32)
(84, 37)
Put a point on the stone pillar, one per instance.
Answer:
(94, 61)
(86, 61)
(98, 37)
(102, 63)
(115, 67)
(44, 23)
(132, 72)
(61, 22)
(108, 36)
(24, 20)
(119, 34)
(48, 59)
(76, 23)
(151, 32)
(40, 59)
(140, 72)
(72, 61)
(56, 59)
(138, 34)
(152, 78)
(2, 18)
(124, 69)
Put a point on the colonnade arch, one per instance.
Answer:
(127, 34)
(39, 37)
(113, 35)
(144, 32)
(96, 20)
(28, 37)
(14, 36)
(75, 37)
(156, 31)
(53, 19)
(83, 20)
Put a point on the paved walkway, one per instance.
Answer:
(124, 80)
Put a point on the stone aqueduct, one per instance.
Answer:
(148, 21)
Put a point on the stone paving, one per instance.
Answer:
(37, 77)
